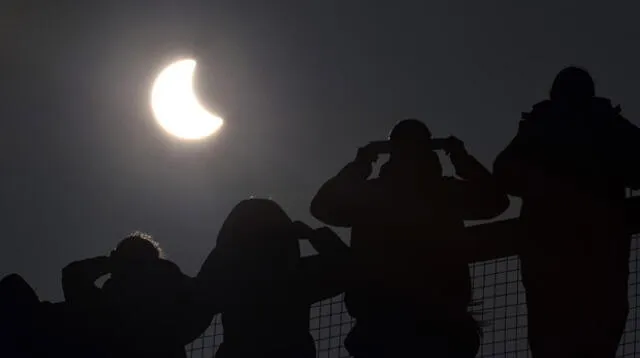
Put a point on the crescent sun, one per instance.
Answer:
(175, 104)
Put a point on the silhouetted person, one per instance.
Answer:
(20, 313)
(263, 284)
(33, 328)
(146, 308)
(411, 289)
(570, 162)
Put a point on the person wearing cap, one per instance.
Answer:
(571, 161)
(410, 288)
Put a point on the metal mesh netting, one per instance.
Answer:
(496, 283)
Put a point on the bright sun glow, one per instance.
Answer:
(176, 106)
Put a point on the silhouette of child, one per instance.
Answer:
(263, 285)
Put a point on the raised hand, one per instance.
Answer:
(370, 152)
(454, 146)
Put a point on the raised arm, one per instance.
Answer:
(477, 195)
(327, 243)
(342, 197)
(78, 279)
(326, 274)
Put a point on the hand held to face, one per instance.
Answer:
(450, 145)
(370, 152)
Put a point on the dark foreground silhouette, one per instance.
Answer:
(147, 308)
(570, 162)
(19, 309)
(411, 289)
(406, 276)
(264, 287)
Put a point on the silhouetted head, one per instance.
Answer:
(260, 228)
(572, 85)
(137, 247)
(409, 131)
(411, 148)
(134, 251)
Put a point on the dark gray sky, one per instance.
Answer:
(301, 84)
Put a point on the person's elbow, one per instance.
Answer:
(71, 272)
(497, 202)
(508, 180)
(489, 206)
(70, 282)
(323, 210)
(501, 203)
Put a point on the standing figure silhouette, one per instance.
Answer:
(411, 288)
(264, 287)
(570, 162)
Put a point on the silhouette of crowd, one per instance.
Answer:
(405, 274)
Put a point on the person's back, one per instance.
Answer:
(406, 226)
(264, 288)
(405, 247)
(571, 162)
(150, 304)
(275, 324)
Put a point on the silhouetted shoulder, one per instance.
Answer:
(162, 268)
(169, 267)
(539, 111)
(168, 275)
(623, 124)
(344, 198)
(604, 105)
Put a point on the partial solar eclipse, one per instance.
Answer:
(176, 106)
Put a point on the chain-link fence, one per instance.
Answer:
(496, 284)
